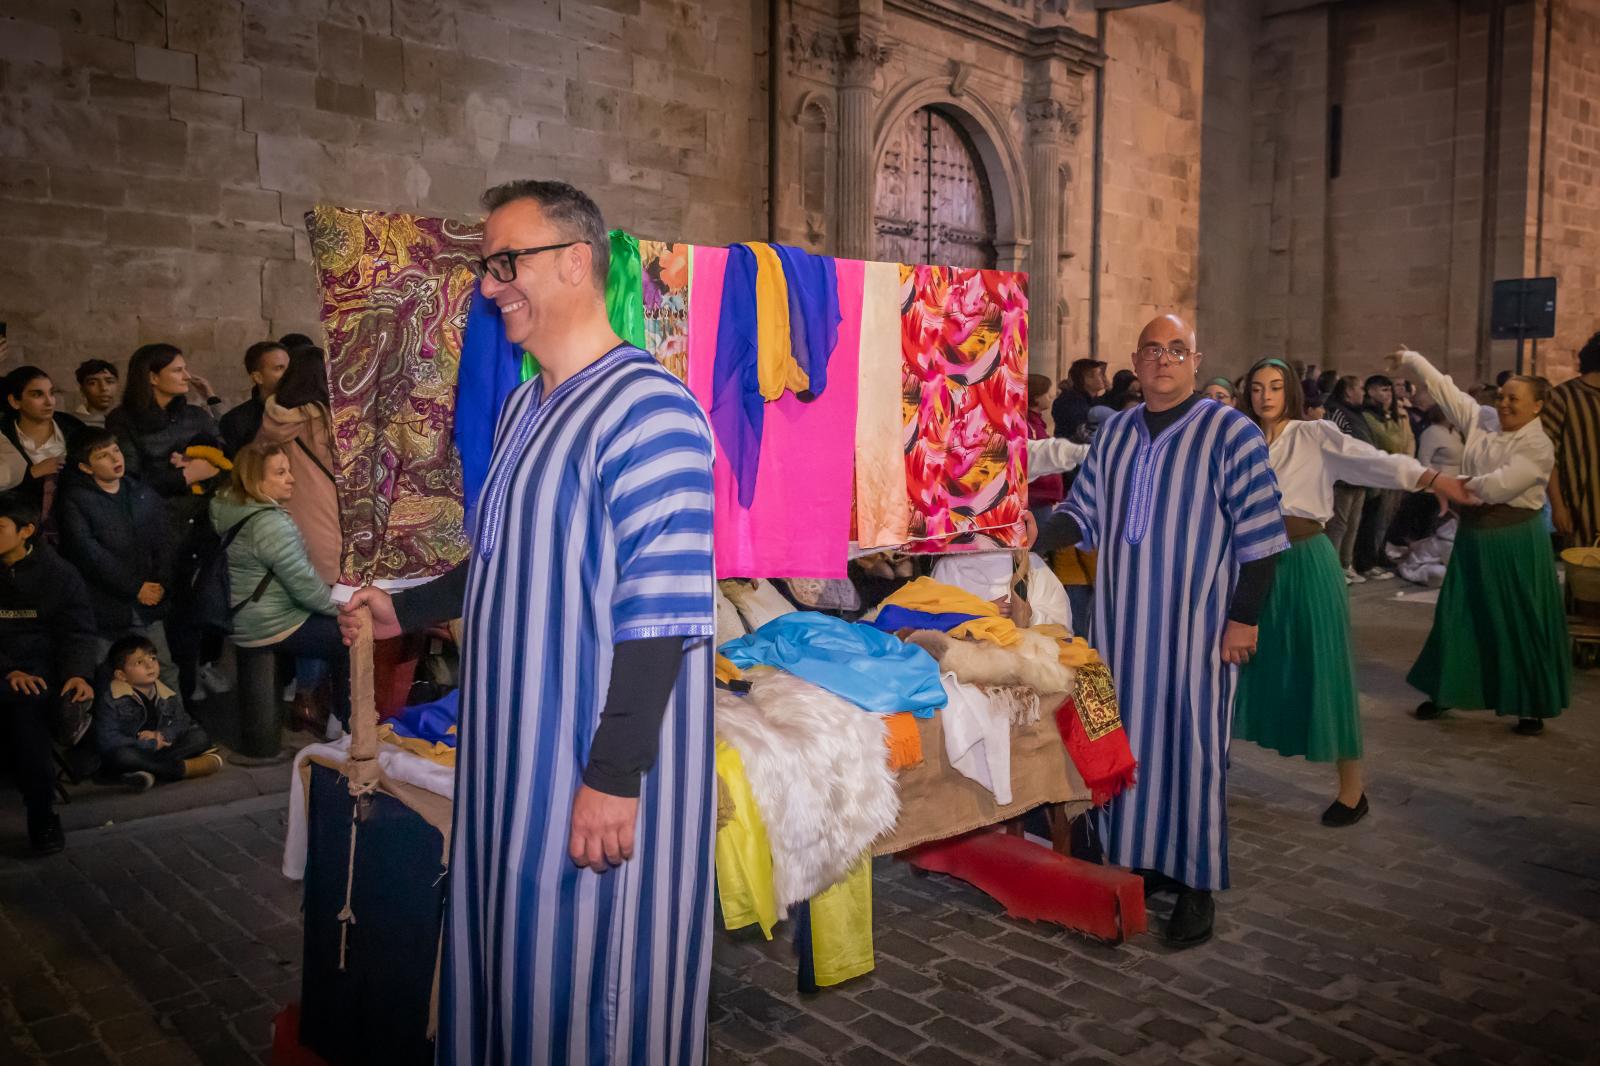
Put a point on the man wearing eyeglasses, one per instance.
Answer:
(1178, 497)
(579, 921)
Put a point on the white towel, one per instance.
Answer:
(977, 737)
(396, 762)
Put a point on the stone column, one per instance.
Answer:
(1049, 122)
(861, 54)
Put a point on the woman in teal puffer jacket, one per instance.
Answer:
(294, 613)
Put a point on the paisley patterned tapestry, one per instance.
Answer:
(666, 304)
(964, 335)
(395, 292)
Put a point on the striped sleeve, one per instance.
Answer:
(1250, 496)
(1554, 419)
(1083, 502)
(655, 474)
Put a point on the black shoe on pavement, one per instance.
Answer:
(1338, 815)
(44, 833)
(1427, 710)
(1192, 918)
(1529, 727)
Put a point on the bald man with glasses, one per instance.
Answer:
(1179, 498)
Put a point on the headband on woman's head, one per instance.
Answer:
(1271, 361)
(1224, 382)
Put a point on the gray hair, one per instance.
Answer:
(570, 208)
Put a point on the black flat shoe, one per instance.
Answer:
(45, 834)
(1427, 710)
(1192, 918)
(1529, 727)
(1338, 815)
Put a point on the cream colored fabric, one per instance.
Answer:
(883, 502)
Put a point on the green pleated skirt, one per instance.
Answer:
(1499, 638)
(1297, 694)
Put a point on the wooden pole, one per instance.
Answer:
(363, 711)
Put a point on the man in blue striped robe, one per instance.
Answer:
(579, 913)
(1179, 499)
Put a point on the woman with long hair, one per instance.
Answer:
(155, 426)
(1499, 638)
(281, 601)
(1297, 696)
(155, 423)
(296, 416)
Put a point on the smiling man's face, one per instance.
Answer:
(530, 299)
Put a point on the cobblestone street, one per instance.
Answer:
(1456, 924)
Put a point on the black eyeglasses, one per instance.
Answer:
(1152, 353)
(502, 266)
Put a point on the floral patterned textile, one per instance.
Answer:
(964, 335)
(666, 304)
(395, 293)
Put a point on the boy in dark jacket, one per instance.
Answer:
(140, 724)
(113, 530)
(46, 655)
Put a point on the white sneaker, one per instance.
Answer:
(1353, 578)
(1379, 574)
(139, 781)
(214, 680)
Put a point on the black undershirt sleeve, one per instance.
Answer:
(439, 600)
(643, 673)
(1250, 594)
(1057, 531)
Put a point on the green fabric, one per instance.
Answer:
(1297, 694)
(625, 289)
(530, 366)
(269, 542)
(1499, 637)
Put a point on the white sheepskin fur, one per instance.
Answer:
(1034, 663)
(820, 774)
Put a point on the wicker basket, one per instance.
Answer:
(1583, 573)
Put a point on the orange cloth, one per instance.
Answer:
(903, 740)
(726, 671)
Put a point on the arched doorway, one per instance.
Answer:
(933, 202)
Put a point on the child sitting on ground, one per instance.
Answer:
(141, 727)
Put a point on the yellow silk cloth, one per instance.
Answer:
(934, 597)
(777, 371)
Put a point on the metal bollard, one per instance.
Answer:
(260, 720)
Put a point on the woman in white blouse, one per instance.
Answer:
(1297, 696)
(1499, 638)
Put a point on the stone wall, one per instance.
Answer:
(1224, 298)
(156, 160)
(1570, 248)
(1381, 241)
(1150, 211)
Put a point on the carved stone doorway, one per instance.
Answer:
(933, 202)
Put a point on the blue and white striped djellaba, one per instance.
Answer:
(1173, 518)
(594, 527)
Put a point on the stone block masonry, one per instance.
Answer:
(156, 159)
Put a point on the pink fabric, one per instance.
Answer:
(799, 524)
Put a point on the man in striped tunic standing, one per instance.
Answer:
(579, 914)
(1572, 419)
(1178, 496)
